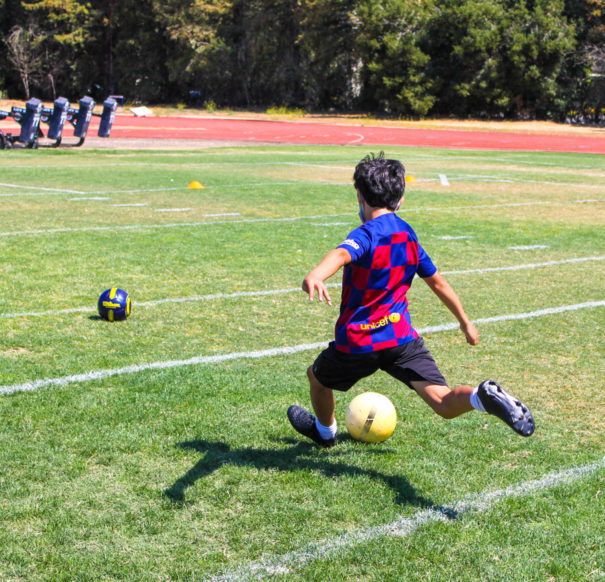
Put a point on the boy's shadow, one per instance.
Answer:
(299, 456)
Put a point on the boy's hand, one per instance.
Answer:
(311, 285)
(314, 281)
(471, 333)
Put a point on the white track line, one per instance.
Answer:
(476, 503)
(282, 219)
(34, 385)
(287, 290)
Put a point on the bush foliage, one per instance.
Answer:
(494, 58)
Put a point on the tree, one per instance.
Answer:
(197, 56)
(329, 64)
(535, 43)
(463, 39)
(24, 54)
(393, 65)
(132, 50)
(68, 59)
(498, 58)
(583, 75)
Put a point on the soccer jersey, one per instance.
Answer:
(374, 308)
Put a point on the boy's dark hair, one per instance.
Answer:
(380, 181)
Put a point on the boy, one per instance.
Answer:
(374, 331)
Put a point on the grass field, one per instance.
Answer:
(158, 448)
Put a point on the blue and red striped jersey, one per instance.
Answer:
(374, 308)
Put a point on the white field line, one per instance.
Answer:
(89, 198)
(266, 292)
(57, 192)
(453, 237)
(282, 219)
(34, 385)
(515, 159)
(528, 247)
(168, 225)
(134, 204)
(476, 503)
(520, 180)
(41, 189)
(525, 266)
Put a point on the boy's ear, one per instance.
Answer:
(399, 204)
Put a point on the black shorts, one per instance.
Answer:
(407, 363)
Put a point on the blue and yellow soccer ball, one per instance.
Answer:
(114, 304)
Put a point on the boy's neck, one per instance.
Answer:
(371, 212)
(376, 212)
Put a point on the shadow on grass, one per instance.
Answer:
(300, 456)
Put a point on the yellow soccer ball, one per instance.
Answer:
(371, 418)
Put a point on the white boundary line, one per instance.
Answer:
(266, 292)
(33, 385)
(281, 219)
(167, 225)
(404, 526)
(43, 190)
(442, 178)
(124, 159)
(58, 192)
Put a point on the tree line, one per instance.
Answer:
(540, 59)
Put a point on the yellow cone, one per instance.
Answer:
(196, 185)
(410, 179)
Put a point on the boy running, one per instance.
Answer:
(374, 330)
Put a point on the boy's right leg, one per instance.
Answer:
(304, 422)
(322, 399)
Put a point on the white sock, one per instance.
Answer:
(475, 402)
(326, 432)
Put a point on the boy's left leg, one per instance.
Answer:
(445, 402)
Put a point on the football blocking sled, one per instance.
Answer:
(28, 118)
(34, 113)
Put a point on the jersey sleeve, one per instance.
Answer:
(426, 268)
(357, 243)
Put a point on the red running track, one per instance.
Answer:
(285, 132)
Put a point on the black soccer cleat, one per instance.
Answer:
(512, 411)
(304, 422)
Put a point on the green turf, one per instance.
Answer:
(192, 471)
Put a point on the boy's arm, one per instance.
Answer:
(448, 297)
(329, 265)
